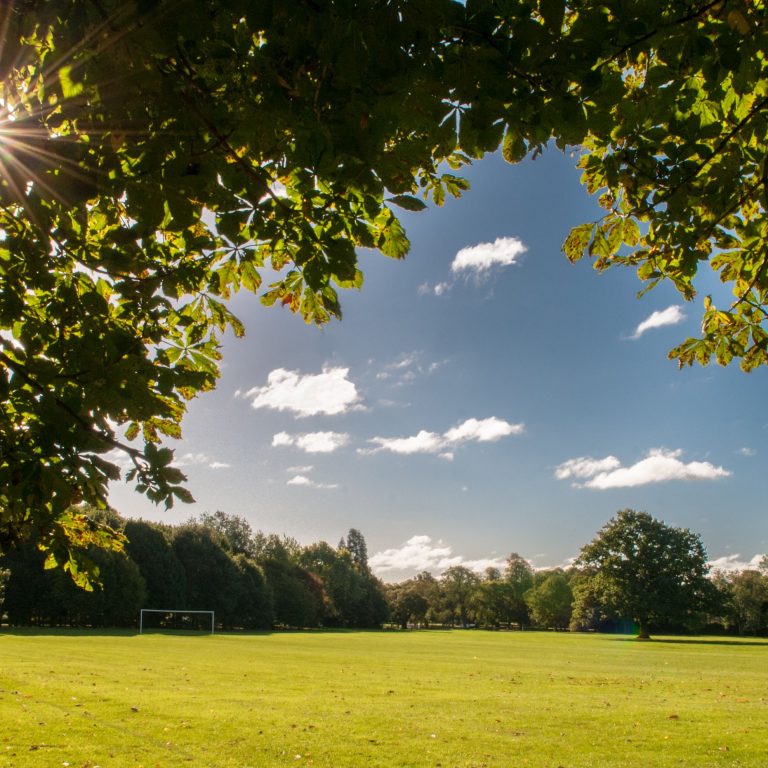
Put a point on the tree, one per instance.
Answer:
(357, 548)
(149, 546)
(406, 603)
(459, 588)
(210, 574)
(235, 531)
(550, 601)
(745, 601)
(254, 604)
(343, 583)
(298, 596)
(158, 156)
(519, 575)
(642, 569)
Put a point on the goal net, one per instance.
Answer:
(162, 619)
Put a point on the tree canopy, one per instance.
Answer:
(157, 156)
(641, 569)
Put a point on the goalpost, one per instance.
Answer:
(171, 612)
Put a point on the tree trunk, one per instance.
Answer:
(642, 632)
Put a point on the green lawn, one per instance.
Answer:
(380, 699)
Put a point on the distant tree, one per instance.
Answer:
(149, 546)
(641, 569)
(298, 596)
(236, 531)
(210, 573)
(115, 602)
(519, 575)
(550, 602)
(495, 602)
(270, 546)
(357, 548)
(587, 610)
(407, 603)
(344, 583)
(459, 587)
(29, 597)
(36, 595)
(745, 600)
(254, 605)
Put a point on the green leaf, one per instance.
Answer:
(69, 88)
(577, 241)
(408, 202)
(393, 241)
(513, 148)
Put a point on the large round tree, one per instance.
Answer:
(642, 569)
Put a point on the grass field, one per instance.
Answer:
(380, 699)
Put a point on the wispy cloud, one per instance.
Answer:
(659, 466)
(312, 442)
(471, 430)
(198, 460)
(419, 553)
(307, 482)
(748, 452)
(123, 461)
(669, 316)
(438, 289)
(407, 368)
(502, 252)
(329, 392)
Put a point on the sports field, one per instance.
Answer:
(361, 699)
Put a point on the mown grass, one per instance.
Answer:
(380, 699)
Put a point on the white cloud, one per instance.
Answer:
(299, 480)
(300, 470)
(484, 431)
(735, 563)
(503, 252)
(329, 392)
(477, 430)
(669, 316)
(586, 467)
(219, 465)
(307, 482)
(419, 553)
(424, 442)
(748, 452)
(312, 442)
(659, 466)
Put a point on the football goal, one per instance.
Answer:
(160, 618)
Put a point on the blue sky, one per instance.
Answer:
(483, 396)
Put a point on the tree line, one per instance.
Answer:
(215, 562)
(637, 574)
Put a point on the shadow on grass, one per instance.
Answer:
(111, 632)
(734, 642)
(134, 632)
